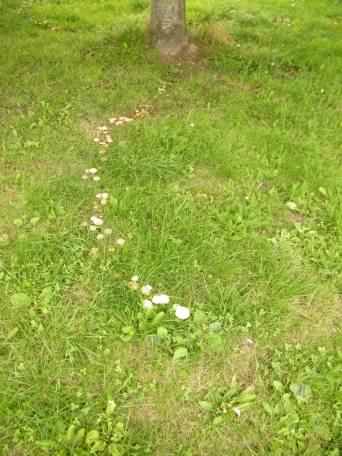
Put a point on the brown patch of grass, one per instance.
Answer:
(177, 418)
(164, 408)
(314, 319)
(89, 128)
(295, 217)
(11, 203)
(15, 452)
(216, 32)
(205, 183)
(243, 362)
(9, 197)
(34, 169)
(78, 294)
(219, 369)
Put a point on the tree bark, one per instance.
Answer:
(168, 26)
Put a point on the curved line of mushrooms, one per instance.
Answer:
(96, 222)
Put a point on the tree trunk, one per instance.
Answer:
(168, 26)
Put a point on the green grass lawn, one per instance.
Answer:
(226, 193)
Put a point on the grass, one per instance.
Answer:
(228, 195)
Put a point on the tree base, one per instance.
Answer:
(180, 51)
